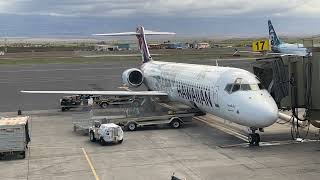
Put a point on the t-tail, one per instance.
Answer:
(141, 36)
(143, 46)
(275, 41)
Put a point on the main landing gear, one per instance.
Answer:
(253, 138)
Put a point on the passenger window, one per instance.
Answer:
(235, 87)
(228, 87)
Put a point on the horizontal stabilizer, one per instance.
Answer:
(146, 32)
(108, 93)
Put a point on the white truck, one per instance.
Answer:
(105, 133)
(14, 135)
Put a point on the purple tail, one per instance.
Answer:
(143, 46)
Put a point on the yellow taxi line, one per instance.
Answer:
(90, 164)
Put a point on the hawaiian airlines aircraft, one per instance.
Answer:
(230, 93)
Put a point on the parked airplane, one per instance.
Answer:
(278, 46)
(230, 93)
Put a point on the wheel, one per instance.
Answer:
(74, 128)
(23, 154)
(258, 139)
(176, 123)
(63, 109)
(120, 141)
(102, 141)
(132, 126)
(135, 103)
(254, 139)
(91, 136)
(104, 105)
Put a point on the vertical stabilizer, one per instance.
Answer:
(275, 41)
(141, 35)
(143, 46)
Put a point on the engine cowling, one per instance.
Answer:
(132, 77)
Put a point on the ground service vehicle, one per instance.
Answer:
(104, 102)
(105, 133)
(14, 136)
(74, 101)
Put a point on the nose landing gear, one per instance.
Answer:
(253, 138)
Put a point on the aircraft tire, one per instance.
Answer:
(254, 139)
(91, 136)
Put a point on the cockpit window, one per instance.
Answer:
(235, 87)
(228, 87)
(242, 86)
(245, 87)
(248, 87)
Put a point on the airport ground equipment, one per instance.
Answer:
(294, 83)
(104, 102)
(82, 121)
(74, 101)
(174, 120)
(105, 133)
(14, 135)
(150, 112)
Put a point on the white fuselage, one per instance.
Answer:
(205, 87)
(286, 48)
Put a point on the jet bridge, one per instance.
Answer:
(294, 83)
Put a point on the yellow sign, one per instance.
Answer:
(260, 45)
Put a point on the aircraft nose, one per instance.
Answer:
(268, 114)
(260, 113)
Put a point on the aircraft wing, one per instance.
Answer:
(146, 32)
(107, 93)
(266, 53)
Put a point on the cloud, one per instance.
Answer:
(176, 8)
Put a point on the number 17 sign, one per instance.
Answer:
(261, 45)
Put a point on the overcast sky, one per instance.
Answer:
(188, 17)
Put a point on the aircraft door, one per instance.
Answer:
(216, 96)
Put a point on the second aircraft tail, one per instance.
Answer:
(275, 41)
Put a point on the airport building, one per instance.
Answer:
(202, 45)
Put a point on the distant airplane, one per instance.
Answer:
(230, 93)
(278, 46)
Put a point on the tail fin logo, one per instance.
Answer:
(143, 45)
(272, 35)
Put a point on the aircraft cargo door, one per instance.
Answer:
(216, 96)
